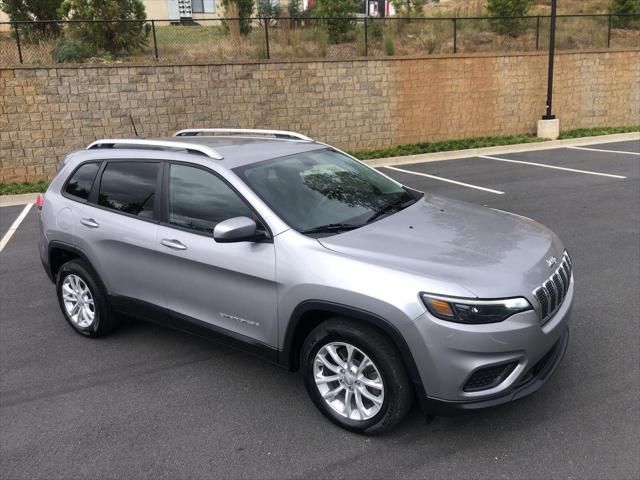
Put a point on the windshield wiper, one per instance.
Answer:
(331, 227)
(391, 208)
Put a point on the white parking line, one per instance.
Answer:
(605, 151)
(588, 172)
(462, 184)
(14, 226)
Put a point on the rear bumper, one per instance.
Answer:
(530, 383)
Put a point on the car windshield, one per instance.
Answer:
(324, 191)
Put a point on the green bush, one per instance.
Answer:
(113, 37)
(374, 29)
(388, 44)
(409, 8)
(625, 7)
(340, 18)
(70, 50)
(499, 9)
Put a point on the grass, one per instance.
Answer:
(444, 146)
(26, 187)
(399, 151)
(590, 132)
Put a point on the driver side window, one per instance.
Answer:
(199, 200)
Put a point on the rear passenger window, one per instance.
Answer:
(129, 187)
(79, 185)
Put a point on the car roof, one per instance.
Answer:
(243, 150)
(235, 150)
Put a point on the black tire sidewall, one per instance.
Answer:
(76, 267)
(358, 338)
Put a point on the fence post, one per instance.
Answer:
(15, 26)
(609, 32)
(455, 35)
(155, 41)
(266, 36)
(366, 40)
(538, 33)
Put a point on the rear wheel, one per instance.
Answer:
(83, 301)
(354, 376)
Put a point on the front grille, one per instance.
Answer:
(489, 377)
(553, 291)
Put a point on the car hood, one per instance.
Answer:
(489, 252)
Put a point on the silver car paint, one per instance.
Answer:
(437, 245)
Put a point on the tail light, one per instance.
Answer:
(40, 201)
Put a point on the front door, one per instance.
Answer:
(229, 286)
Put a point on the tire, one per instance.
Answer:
(392, 402)
(95, 317)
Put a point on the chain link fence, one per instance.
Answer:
(235, 39)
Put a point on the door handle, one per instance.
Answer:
(89, 222)
(174, 244)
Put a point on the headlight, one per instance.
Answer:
(473, 311)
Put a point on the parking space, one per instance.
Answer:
(147, 402)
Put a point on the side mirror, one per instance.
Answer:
(237, 229)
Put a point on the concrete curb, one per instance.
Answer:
(500, 150)
(10, 200)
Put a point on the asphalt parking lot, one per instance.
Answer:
(147, 402)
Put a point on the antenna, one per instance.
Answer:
(133, 125)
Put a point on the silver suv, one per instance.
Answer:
(297, 252)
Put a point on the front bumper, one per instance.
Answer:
(449, 354)
(531, 382)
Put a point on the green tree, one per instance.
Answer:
(340, 17)
(245, 11)
(294, 9)
(267, 9)
(34, 10)
(625, 7)
(499, 9)
(114, 37)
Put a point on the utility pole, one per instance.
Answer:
(552, 51)
(549, 125)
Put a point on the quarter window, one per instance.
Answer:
(129, 187)
(79, 185)
(198, 200)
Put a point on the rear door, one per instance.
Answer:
(116, 229)
(230, 287)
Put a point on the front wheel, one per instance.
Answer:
(355, 377)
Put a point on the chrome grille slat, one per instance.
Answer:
(552, 292)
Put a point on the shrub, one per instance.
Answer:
(70, 50)
(244, 12)
(33, 10)
(625, 7)
(499, 9)
(114, 37)
(388, 44)
(340, 16)
(409, 8)
(374, 28)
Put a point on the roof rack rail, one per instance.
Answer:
(281, 134)
(189, 147)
